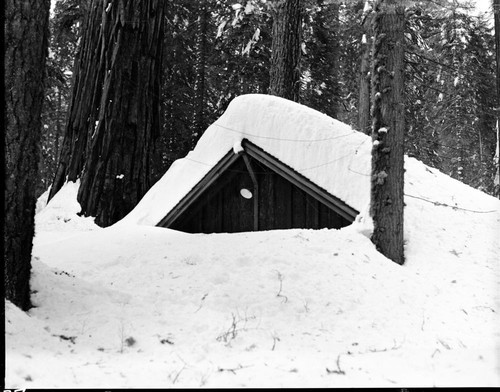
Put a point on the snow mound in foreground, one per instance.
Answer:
(138, 306)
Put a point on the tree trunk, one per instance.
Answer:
(198, 125)
(496, 10)
(364, 78)
(285, 49)
(114, 114)
(388, 129)
(59, 122)
(26, 38)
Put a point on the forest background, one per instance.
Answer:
(215, 52)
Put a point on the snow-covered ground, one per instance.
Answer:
(135, 305)
(139, 306)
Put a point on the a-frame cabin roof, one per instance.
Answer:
(307, 147)
(276, 165)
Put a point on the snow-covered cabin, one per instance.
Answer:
(266, 163)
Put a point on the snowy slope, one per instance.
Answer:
(140, 306)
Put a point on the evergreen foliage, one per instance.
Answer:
(450, 102)
(449, 67)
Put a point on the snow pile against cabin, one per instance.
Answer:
(323, 150)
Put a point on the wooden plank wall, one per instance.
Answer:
(281, 205)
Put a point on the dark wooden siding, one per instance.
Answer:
(221, 208)
(282, 205)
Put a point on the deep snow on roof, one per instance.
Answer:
(326, 151)
(320, 148)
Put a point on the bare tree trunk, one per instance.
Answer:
(388, 129)
(114, 114)
(496, 10)
(59, 121)
(26, 39)
(285, 49)
(198, 125)
(364, 78)
(84, 108)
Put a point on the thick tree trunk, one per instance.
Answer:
(364, 78)
(26, 38)
(285, 49)
(496, 10)
(388, 130)
(59, 126)
(84, 108)
(114, 114)
(198, 125)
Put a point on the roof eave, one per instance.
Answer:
(273, 163)
(300, 181)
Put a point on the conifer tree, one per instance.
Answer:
(199, 123)
(322, 58)
(285, 50)
(364, 72)
(387, 85)
(65, 31)
(496, 10)
(177, 90)
(114, 115)
(26, 39)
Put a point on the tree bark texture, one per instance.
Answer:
(198, 125)
(26, 38)
(285, 48)
(496, 10)
(364, 78)
(114, 114)
(387, 179)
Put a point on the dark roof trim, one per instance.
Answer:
(300, 181)
(273, 163)
(199, 188)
